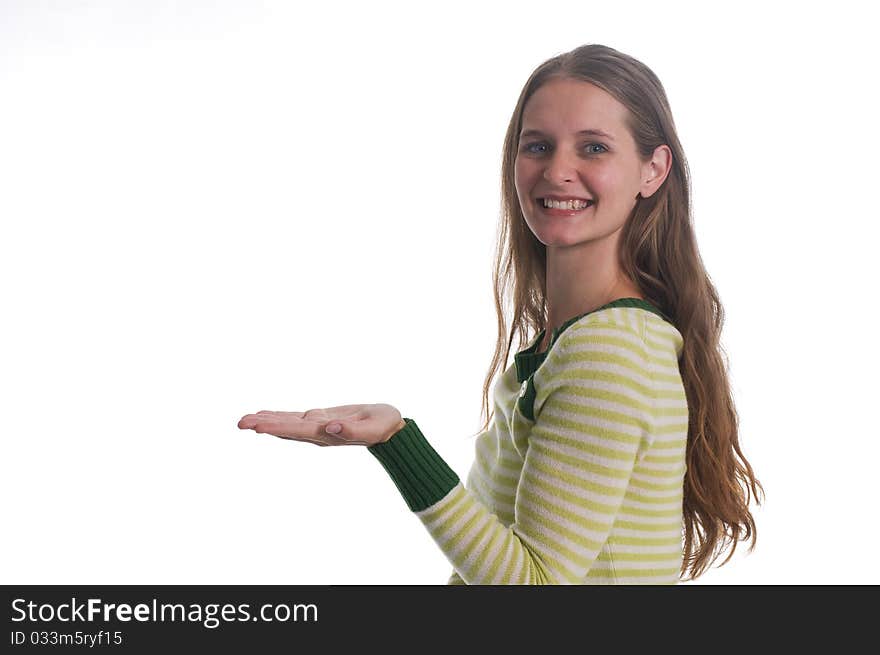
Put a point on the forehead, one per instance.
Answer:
(568, 105)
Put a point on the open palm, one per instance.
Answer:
(362, 425)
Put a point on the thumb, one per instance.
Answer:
(334, 428)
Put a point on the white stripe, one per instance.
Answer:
(660, 534)
(491, 464)
(633, 564)
(578, 472)
(660, 495)
(555, 364)
(671, 444)
(633, 503)
(478, 486)
(604, 330)
(591, 458)
(650, 520)
(640, 475)
(505, 560)
(592, 424)
(587, 495)
(674, 551)
(661, 469)
(554, 520)
(589, 441)
(587, 401)
(471, 555)
(565, 567)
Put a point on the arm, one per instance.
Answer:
(593, 417)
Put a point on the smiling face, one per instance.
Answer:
(557, 156)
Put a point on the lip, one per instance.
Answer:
(560, 198)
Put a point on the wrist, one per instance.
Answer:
(397, 428)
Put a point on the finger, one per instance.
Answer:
(274, 414)
(285, 431)
(290, 414)
(276, 431)
(247, 422)
(319, 438)
(294, 429)
(282, 420)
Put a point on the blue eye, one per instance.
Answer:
(528, 147)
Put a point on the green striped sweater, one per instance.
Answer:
(579, 478)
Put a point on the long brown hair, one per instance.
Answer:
(658, 252)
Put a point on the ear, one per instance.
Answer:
(654, 172)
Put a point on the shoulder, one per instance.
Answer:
(601, 368)
(614, 342)
(601, 350)
(643, 332)
(614, 326)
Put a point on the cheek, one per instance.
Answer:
(603, 181)
(519, 172)
(524, 180)
(615, 184)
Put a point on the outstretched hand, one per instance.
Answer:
(360, 425)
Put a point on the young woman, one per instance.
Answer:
(611, 454)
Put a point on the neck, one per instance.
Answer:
(582, 279)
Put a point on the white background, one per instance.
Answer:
(214, 208)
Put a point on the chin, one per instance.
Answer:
(563, 236)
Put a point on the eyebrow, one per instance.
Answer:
(591, 132)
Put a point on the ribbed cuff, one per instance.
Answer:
(419, 472)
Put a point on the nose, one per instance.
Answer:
(559, 169)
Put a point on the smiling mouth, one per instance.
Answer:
(563, 211)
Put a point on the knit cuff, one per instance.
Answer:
(420, 474)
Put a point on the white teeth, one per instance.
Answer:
(565, 204)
